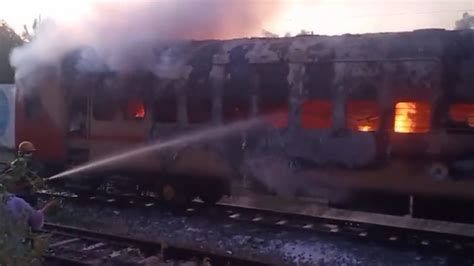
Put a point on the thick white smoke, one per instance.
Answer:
(124, 33)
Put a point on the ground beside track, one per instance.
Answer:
(246, 240)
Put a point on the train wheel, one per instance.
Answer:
(439, 171)
(172, 195)
(211, 196)
(168, 192)
(374, 202)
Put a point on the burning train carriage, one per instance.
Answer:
(123, 111)
(382, 112)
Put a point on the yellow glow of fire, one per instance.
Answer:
(470, 120)
(404, 122)
(140, 112)
(365, 128)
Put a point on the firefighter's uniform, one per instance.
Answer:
(19, 179)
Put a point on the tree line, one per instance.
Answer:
(8, 40)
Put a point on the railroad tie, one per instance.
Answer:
(64, 242)
(94, 246)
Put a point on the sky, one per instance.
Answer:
(320, 16)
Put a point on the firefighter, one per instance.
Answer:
(18, 245)
(19, 179)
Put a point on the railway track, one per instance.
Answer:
(427, 236)
(74, 246)
(441, 241)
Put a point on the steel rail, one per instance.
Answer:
(450, 242)
(76, 246)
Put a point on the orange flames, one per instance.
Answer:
(363, 115)
(462, 113)
(136, 109)
(140, 111)
(412, 117)
(367, 128)
(316, 113)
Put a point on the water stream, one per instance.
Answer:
(191, 138)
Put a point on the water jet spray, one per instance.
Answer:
(198, 136)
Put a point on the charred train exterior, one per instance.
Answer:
(383, 112)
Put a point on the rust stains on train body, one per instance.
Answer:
(389, 111)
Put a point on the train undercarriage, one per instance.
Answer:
(173, 190)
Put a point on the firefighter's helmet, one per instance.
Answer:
(26, 147)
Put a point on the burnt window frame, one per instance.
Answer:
(138, 87)
(199, 92)
(155, 106)
(364, 91)
(109, 98)
(138, 93)
(241, 110)
(236, 92)
(277, 113)
(431, 109)
(206, 117)
(274, 101)
(198, 96)
(351, 125)
(318, 84)
(330, 115)
(456, 125)
(127, 116)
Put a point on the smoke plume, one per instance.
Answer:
(122, 35)
(285, 178)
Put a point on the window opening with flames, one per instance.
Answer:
(363, 115)
(462, 113)
(412, 117)
(316, 114)
(135, 109)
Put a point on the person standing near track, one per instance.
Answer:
(19, 179)
(18, 245)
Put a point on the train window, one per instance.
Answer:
(235, 110)
(363, 115)
(276, 114)
(104, 106)
(199, 97)
(412, 117)
(273, 94)
(316, 114)
(462, 113)
(199, 110)
(166, 107)
(134, 109)
(236, 97)
(199, 89)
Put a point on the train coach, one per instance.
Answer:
(388, 112)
